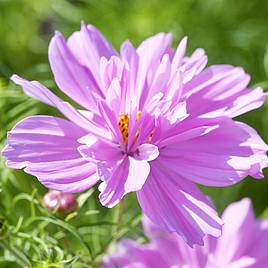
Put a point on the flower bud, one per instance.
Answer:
(63, 202)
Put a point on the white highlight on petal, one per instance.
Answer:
(147, 152)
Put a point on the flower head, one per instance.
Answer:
(152, 121)
(243, 244)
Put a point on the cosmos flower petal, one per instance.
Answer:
(220, 87)
(128, 176)
(113, 96)
(89, 45)
(259, 158)
(151, 229)
(73, 187)
(46, 147)
(161, 78)
(37, 91)
(244, 262)
(140, 257)
(111, 120)
(238, 148)
(155, 46)
(147, 152)
(94, 148)
(261, 240)
(239, 219)
(34, 89)
(71, 77)
(244, 236)
(211, 75)
(192, 218)
(247, 100)
(131, 59)
(179, 55)
(165, 242)
(194, 64)
(187, 135)
(150, 52)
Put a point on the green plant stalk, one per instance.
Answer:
(18, 256)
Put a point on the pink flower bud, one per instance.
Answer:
(55, 200)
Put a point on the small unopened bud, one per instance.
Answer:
(55, 200)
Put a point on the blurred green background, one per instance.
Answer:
(233, 32)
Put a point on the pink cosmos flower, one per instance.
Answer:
(243, 244)
(151, 121)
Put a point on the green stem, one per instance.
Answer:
(17, 254)
(120, 212)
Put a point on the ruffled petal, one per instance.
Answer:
(193, 65)
(176, 252)
(171, 244)
(179, 56)
(240, 230)
(37, 91)
(245, 237)
(71, 77)
(259, 251)
(223, 156)
(111, 121)
(132, 255)
(176, 205)
(160, 80)
(147, 152)
(129, 176)
(150, 54)
(222, 89)
(131, 60)
(258, 159)
(111, 75)
(46, 147)
(96, 150)
(89, 45)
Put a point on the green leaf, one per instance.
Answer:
(66, 226)
(82, 198)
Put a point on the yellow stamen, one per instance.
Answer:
(138, 115)
(150, 137)
(123, 126)
(137, 135)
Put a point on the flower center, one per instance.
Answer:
(123, 126)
